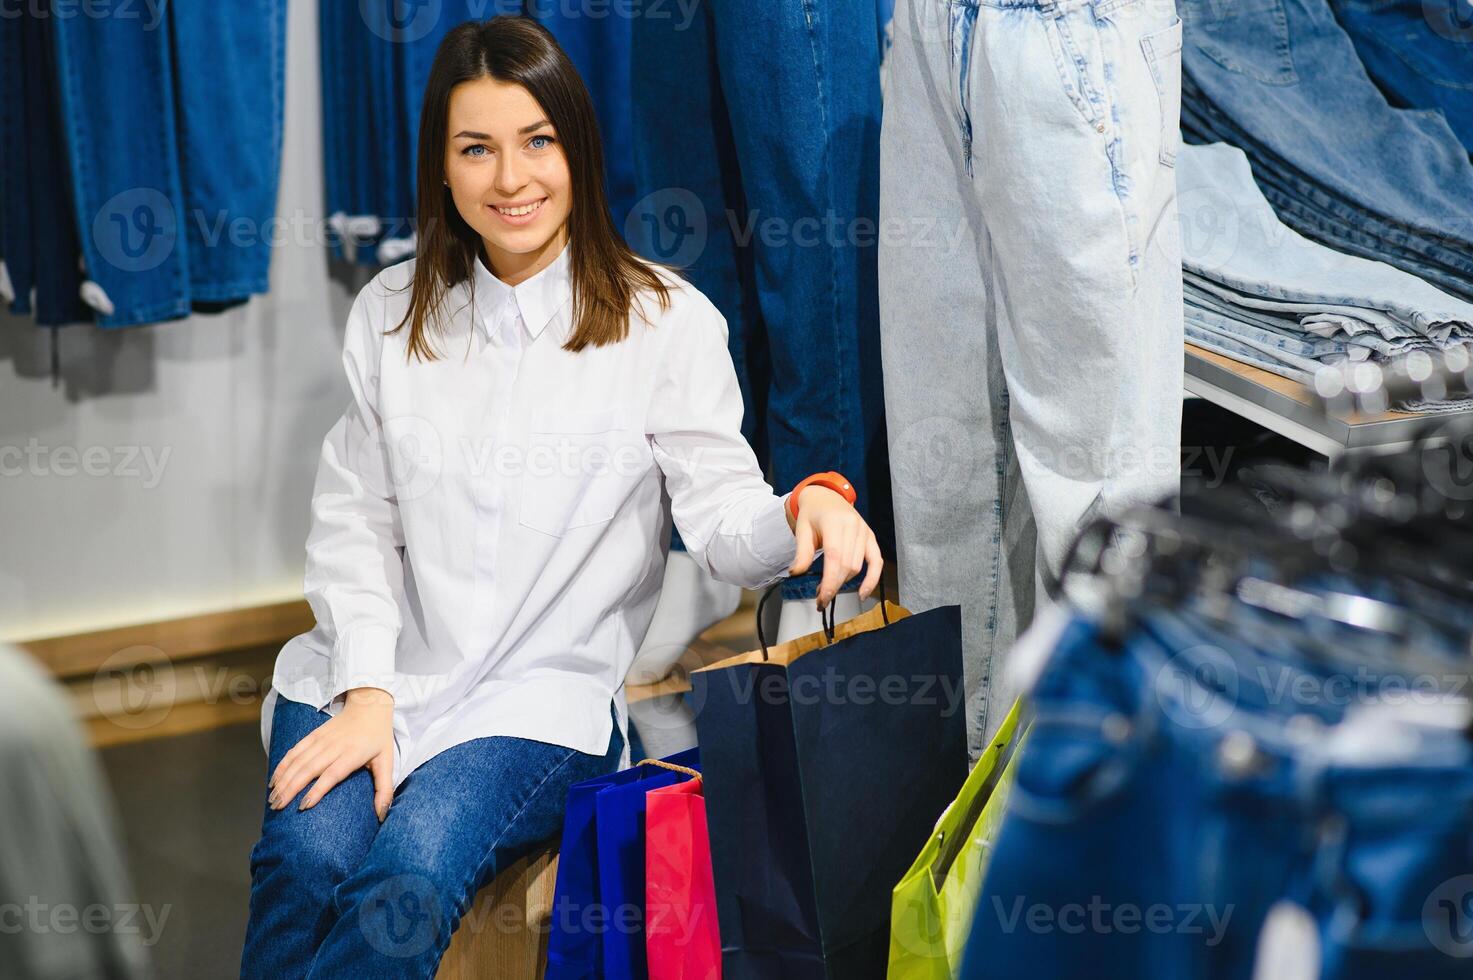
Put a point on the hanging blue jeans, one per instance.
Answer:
(334, 893)
(1176, 787)
(230, 131)
(756, 130)
(38, 230)
(124, 155)
(346, 136)
(174, 173)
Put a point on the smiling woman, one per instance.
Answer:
(489, 531)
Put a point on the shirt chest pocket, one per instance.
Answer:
(580, 467)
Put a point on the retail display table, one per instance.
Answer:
(1290, 409)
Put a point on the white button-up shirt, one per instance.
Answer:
(489, 529)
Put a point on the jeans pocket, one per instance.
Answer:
(1163, 54)
(1249, 37)
(1076, 50)
(569, 476)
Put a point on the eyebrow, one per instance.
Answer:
(472, 134)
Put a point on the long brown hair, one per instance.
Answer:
(606, 273)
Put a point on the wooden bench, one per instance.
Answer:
(504, 935)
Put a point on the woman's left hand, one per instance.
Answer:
(826, 520)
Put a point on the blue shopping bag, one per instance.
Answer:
(620, 816)
(588, 939)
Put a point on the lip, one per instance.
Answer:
(520, 219)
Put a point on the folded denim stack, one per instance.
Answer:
(1282, 80)
(1259, 292)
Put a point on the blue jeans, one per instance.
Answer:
(335, 893)
(346, 132)
(766, 193)
(174, 175)
(1165, 780)
(229, 176)
(1420, 52)
(38, 230)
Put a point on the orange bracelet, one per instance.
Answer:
(834, 481)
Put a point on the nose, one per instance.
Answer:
(510, 177)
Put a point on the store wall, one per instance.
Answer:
(169, 471)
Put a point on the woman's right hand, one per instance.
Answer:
(362, 734)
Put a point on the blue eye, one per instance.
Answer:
(547, 141)
(474, 146)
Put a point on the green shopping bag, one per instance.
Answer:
(931, 909)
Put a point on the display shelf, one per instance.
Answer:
(1289, 408)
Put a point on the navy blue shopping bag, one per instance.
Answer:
(826, 762)
(587, 920)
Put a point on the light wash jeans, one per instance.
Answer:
(1249, 344)
(1321, 319)
(1278, 323)
(1231, 235)
(1030, 296)
(1240, 334)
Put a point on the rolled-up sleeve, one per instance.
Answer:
(355, 570)
(731, 521)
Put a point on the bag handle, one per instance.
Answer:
(692, 773)
(828, 614)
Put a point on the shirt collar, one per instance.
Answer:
(538, 299)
